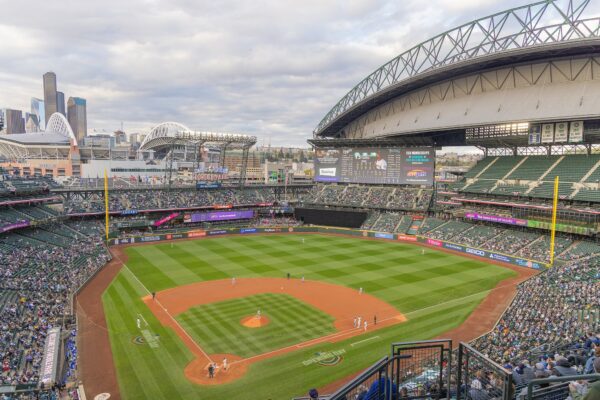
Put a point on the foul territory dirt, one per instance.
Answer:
(97, 367)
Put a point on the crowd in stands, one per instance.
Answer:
(12, 186)
(390, 197)
(551, 311)
(552, 327)
(165, 199)
(40, 269)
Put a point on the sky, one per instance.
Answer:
(271, 69)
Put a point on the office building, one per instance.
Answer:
(77, 116)
(50, 96)
(37, 109)
(31, 123)
(13, 121)
(60, 103)
(120, 137)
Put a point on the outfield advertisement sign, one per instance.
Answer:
(383, 235)
(248, 230)
(482, 253)
(406, 238)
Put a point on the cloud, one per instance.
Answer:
(271, 68)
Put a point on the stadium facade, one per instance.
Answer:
(506, 74)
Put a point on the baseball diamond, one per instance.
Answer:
(434, 292)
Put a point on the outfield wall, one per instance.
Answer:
(454, 247)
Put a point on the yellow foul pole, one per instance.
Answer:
(106, 202)
(553, 234)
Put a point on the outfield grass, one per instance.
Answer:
(436, 291)
(216, 327)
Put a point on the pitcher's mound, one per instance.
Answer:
(254, 322)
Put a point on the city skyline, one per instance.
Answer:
(272, 70)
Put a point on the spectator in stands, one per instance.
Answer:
(593, 392)
(381, 386)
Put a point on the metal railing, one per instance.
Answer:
(556, 388)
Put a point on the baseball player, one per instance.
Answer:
(224, 364)
(366, 325)
(360, 290)
(139, 323)
(358, 323)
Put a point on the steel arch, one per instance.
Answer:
(532, 25)
(59, 124)
(163, 130)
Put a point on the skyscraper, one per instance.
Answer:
(60, 103)
(50, 96)
(37, 109)
(13, 121)
(77, 116)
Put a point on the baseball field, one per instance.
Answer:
(274, 337)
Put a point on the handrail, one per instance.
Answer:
(558, 379)
(360, 378)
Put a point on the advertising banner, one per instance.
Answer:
(434, 242)
(496, 218)
(581, 230)
(196, 234)
(16, 225)
(271, 230)
(165, 219)
(248, 230)
(49, 365)
(383, 235)
(327, 165)
(218, 216)
(406, 238)
(218, 232)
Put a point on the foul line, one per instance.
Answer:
(170, 316)
(365, 340)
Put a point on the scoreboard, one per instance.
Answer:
(394, 166)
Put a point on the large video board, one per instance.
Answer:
(396, 166)
(217, 216)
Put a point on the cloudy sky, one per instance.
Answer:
(268, 68)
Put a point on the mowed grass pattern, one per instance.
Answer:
(436, 291)
(217, 329)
